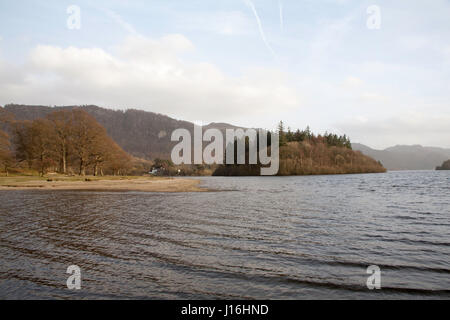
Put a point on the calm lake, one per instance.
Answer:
(264, 238)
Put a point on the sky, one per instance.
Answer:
(378, 71)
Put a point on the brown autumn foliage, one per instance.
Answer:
(42, 146)
(89, 142)
(62, 125)
(79, 145)
(68, 142)
(6, 155)
(305, 158)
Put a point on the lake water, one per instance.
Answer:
(265, 237)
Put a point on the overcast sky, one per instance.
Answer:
(250, 63)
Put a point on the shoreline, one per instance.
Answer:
(144, 184)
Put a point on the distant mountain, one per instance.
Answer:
(403, 157)
(140, 133)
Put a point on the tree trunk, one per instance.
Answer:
(82, 168)
(42, 166)
(64, 161)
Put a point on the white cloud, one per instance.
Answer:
(372, 97)
(148, 74)
(357, 91)
(352, 82)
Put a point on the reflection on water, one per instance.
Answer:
(270, 237)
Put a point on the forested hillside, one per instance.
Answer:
(141, 133)
(38, 141)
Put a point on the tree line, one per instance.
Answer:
(65, 141)
(330, 139)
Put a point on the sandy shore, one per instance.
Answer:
(127, 184)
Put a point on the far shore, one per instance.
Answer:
(89, 183)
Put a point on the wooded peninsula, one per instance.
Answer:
(304, 153)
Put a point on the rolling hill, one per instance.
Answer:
(403, 157)
(141, 133)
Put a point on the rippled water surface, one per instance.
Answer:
(265, 237)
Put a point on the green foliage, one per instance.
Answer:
(332, 140)
(282, 134)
